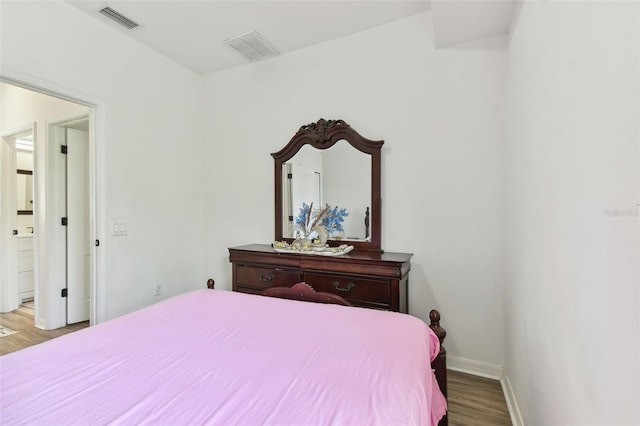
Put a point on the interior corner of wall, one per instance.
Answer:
(510, 397)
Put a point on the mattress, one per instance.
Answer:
(223, 358)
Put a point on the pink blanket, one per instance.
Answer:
(223, 358)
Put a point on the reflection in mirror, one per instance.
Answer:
(339, 177)
(24, 181)
(24, 192)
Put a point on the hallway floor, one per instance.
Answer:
(21, 321)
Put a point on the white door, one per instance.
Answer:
(77, 226)
(305, 187)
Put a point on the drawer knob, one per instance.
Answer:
(350, 286)
(266, 279)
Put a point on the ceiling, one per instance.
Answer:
(191, 32)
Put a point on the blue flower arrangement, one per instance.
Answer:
(329, 218)
(303, 216)
(333, 220)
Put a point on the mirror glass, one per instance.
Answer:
(339, 177)
(24, 191)
(24, 181)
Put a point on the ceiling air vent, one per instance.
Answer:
(252, 46)
(119, 18)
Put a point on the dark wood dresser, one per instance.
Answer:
(365, 278)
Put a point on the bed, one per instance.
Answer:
(226, 358)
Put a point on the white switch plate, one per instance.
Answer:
(119, 227)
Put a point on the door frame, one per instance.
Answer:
(54, 313)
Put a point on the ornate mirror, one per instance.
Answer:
(329, 163)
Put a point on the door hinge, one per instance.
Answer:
(63, 149)
(97, 243)
(63, 221)
(290, 218)
(289, 175)
(63, 293)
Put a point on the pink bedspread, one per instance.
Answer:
(223, 358)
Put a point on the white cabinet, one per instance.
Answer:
(26, 268)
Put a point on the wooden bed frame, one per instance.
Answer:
(304, 292)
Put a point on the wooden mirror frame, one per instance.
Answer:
(323, 135)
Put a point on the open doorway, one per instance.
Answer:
(59, 251)
(16, 217)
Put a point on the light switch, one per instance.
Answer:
(119, 227)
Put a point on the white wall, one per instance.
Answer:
(148, 144)
(347, 184)
(572, 278)
(24, 159)
(441, 116)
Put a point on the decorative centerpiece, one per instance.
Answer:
(313, 227)
(285, 247)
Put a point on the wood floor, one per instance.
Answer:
(473, 400)
(21, 320)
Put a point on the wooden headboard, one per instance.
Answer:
(304, 292)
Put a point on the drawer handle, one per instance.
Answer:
(349, 287)
(266, 279)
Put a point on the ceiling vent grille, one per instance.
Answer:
(119, 18)
(252, 46)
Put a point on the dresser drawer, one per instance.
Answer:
(25, 281)
(360, 292)
(25, 261)
(24, 244)
(366, 279)
(263, 277)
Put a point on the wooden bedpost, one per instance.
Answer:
(440, 363)
(210, 283)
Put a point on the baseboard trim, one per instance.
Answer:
(489, 371)
(477, 368)
(39, 323)
(510, 397)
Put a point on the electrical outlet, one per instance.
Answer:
(158, 291)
